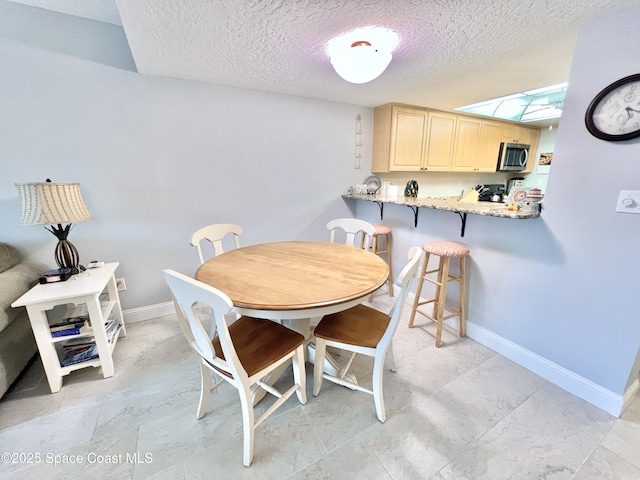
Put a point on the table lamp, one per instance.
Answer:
(49, 203)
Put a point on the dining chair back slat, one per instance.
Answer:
(353, 229)
(216, 234)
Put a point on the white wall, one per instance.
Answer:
(540, 173)
(158, 158)
(561, 292)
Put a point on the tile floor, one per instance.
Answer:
(459, 412)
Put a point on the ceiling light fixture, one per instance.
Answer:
(361, 55)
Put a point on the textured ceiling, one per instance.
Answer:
(451, 52)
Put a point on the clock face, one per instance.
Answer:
(614, 114)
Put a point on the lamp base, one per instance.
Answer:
(66, 253)
(67, 256)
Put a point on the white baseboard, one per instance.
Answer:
(141, 314)
(579, 386)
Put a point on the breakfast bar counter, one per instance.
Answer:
(451, 204)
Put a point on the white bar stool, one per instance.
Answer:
(383, 231)
(446, 250)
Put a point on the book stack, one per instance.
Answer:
(82, 347)
(52, 276)
(112, 328)
(75, 323)
(76, 352)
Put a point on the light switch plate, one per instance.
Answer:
(628, 201)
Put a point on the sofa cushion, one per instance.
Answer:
(9, 256)
(15, 282)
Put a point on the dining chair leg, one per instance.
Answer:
(299, 375)
(378, 396)
(318, 367)
(205, 391)
(248, 427)
(390, 360)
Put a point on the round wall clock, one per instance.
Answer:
(614, 114)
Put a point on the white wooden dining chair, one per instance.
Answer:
(215, 234)
(352, 227)
(242, 353)
(363, 330)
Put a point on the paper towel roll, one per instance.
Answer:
(392, 191)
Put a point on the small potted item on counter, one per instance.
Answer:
(411, 190)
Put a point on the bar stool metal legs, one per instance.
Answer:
(445, 250)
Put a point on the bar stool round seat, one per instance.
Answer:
(383, 231)
(445, 250)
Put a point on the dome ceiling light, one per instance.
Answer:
(361, 55)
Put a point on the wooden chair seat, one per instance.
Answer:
(360, 325)
(258, 343)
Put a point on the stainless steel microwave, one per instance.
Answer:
(513, 157)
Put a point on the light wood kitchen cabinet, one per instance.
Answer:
(414, 139)
(534, 138)
(489, 148)
(399, 139)
(465, 156)
(440, 139)
(486, 135)
(515, 134)
(408, 139)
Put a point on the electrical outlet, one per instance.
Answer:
(628, 201)
(121, 285)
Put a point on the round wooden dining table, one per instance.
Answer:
(296, 283)
(294, 280)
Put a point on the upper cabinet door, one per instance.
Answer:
(408, 132)
(440, 142)
(398, 138)
(489, 147)
(514, 134)
(465, 155)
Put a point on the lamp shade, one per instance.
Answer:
(50, 203)
(361, 62)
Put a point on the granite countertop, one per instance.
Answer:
(451, 204)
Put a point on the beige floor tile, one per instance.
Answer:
(624, 438)
(604, 464)
(461, 411)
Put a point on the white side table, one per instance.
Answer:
(83, 288)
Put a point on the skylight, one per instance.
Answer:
(530, 106)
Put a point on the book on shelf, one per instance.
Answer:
(76, 328)
(75, 322)
(79, 353)
(111, 335)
